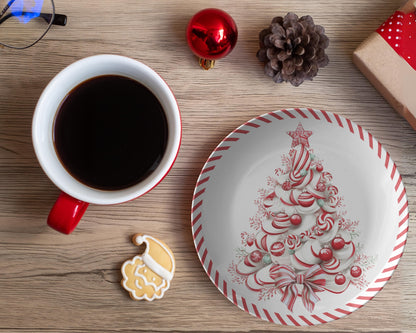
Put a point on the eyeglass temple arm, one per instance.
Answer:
(59, 19)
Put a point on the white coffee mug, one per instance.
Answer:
(75, 195)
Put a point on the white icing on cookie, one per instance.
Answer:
(147, 277)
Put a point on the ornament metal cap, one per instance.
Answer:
(206, 63)
(211, 34)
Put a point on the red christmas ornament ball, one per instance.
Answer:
(338, 243)
(211, 34)
(256, 256)
(250, 241)
(306, 199)
(321, 187)
(287, 185)
(277, 249)
(355, 271)
(340, 279)
(296, 219)
(325, 254)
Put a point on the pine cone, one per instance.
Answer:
(293, 49)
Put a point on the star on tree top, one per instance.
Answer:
(300, 136)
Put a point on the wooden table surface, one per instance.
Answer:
(51, 282)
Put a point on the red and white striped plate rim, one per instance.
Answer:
(198, 222)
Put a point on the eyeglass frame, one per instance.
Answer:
(50, 18)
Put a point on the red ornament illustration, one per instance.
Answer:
(356, 271)
(256, 256)
(277, 249)
(340, 279)
(325, 254)
(338, 243)
(296, 219)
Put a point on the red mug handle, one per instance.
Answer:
(66, 213)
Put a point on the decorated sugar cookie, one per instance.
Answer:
(148, 275)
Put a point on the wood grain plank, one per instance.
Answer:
(55, 283)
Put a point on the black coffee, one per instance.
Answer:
(110, 132)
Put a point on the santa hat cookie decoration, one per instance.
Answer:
(148, 275)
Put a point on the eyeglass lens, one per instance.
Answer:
(23, 22)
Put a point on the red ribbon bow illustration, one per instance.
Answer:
(287, 281)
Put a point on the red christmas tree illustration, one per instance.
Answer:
(301, 244)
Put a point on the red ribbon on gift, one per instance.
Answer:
(399, 31)
(288, 281)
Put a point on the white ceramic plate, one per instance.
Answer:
(299, 217)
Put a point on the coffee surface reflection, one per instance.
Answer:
(110, 132)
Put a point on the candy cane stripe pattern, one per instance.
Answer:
(298, 292)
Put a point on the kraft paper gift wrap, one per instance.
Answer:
(388, 59)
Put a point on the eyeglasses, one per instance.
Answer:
(23, 23)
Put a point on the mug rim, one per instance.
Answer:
(48, 106)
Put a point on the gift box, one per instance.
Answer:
(388, 59)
